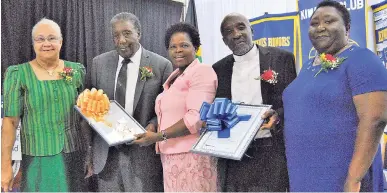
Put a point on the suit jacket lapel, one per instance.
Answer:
(111, 73)
(140, 84)
(228, 76)
(264, 61)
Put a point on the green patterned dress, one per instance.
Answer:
(52, 143)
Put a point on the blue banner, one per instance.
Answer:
(380, 19)
(276, 30)
(358, 31)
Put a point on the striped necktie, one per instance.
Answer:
(121, 83)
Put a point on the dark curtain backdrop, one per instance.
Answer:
(85, 26)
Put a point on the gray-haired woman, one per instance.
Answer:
(42, 93)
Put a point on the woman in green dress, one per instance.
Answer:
(41, 93)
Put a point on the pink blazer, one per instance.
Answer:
(183, 99)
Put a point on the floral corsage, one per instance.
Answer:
(269, 76)
(67, 74)
(329, 62)
(146, 73)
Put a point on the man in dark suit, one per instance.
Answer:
(124, 167)
(263, 168)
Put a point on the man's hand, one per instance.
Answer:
(151, 127)
(88, 166)
(273, 117)
(6, 178)
(148, 138)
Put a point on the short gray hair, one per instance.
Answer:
(46, 21)
(125, 16)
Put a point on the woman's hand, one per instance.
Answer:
(148, 138)
(8, 137)
(273, 117)
(352, 185)
(6, 178)
(150, 127)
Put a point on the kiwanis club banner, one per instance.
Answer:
(380, 19)
(357, 10)
(276, 30)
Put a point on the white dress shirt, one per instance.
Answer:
(131, 80)
(244, 87)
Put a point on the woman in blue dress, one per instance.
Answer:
(335, 111)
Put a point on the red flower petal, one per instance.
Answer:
(329, 57)
(267, 75)
(67, 70)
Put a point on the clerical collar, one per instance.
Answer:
(248, 56)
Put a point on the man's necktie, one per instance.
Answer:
(121, 83)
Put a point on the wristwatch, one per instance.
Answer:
(164, 135)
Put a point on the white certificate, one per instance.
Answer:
(240, 138)
(118, 126)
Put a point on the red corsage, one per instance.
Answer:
(269, 76)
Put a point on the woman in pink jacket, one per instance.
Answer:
(177, 109)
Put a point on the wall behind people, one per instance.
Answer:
(211, 12)
(85, 26)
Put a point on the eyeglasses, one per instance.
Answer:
(51, 39)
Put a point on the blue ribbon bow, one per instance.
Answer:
(221, 116)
